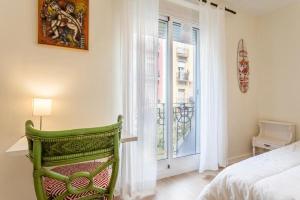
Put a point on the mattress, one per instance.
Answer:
(270, 176)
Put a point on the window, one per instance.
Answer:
(178, 87)
(162, 94)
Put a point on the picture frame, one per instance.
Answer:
(64, 23)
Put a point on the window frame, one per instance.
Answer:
(171, 20)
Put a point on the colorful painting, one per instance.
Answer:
(243, 67)
(64, 23)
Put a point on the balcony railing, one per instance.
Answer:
(161, 136)
(183, 114)
(183, 76)
(182, 52)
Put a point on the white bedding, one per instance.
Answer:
(271, 176)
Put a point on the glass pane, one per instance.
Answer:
(162, 147)
(184, 98)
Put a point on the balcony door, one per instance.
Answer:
(178, 140)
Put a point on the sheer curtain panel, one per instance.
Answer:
(213, 117)
(139, 51)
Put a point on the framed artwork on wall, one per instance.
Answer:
(243, 67)
(64, 23)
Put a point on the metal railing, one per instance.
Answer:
(183, 114)
(182, 52)
(161, 126)
(183, 76)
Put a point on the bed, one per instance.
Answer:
(270, 176)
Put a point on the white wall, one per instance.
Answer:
(279, 69)
(242, 108)
(84, 85)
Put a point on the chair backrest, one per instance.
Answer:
(54, 148)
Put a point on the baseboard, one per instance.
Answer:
(170, 173)
(180, 166)
(239, 158)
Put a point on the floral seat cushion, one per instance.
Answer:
(55, 188)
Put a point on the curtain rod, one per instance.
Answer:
(216, 5)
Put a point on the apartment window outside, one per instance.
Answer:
(177, 92)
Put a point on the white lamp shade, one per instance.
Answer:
(42, 107)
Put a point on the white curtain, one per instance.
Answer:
(213, 117)
(139, 51)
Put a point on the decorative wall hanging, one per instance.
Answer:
(64, 23)
(243, 66)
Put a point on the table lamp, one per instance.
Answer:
(41, 108)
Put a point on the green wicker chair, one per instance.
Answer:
(75, 164)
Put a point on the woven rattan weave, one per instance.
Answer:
(48, 149)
